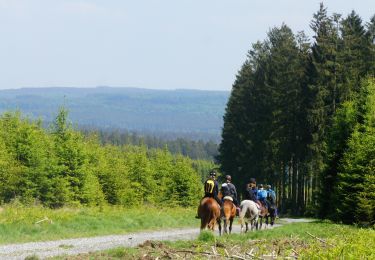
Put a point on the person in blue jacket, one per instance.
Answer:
(262, 196)
(271, 197)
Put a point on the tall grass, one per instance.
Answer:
(23, 224)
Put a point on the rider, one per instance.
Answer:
(228, 189)
(262, 196)
(211, 189)
(271, 197)
(251, 190)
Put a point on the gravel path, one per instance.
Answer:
(85, 245)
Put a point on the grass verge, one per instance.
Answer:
(319, 240)
(26, 224)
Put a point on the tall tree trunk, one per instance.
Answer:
(294, 186)
(301, 185)
(284, 197)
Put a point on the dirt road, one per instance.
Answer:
(85, 245)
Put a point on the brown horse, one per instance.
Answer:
(209, 213)
(263, 214)
(229, 212)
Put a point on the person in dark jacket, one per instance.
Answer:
(211, 189)
(251, 192)
(228, 189)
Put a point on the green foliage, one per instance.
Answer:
(354, 196)
(62, 167)
(184, 186)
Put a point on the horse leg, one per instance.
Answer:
(260, 222)
(219, 224)
(230, 225)
(242, 224)
(225, 226)
(202, 224)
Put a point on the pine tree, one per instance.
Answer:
(71, 160)
(355, 56)
(354, 198)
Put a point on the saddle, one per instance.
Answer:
(228, 198)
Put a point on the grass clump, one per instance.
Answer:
(206, 236)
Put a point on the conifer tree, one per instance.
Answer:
(71, 157)
(355, 56)
(354, 198)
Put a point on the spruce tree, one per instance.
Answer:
(353, 196)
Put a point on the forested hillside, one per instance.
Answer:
(60, 167)
(301, 117)
(190, 148)
(169, 114)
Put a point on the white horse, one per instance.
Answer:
(249, 214)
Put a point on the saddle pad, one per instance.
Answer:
(228, 198)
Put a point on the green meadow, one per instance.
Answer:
(26, 224)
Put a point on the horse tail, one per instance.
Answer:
(210, 213)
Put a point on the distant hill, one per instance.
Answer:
(180, 113)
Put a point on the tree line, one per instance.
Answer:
(301, 117)
(59, 166)
(202, 150)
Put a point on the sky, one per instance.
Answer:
(156, 44)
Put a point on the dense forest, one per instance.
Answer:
(301, 116)
(190, 148)
(59, 166)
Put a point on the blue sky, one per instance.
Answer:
(158, 44)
